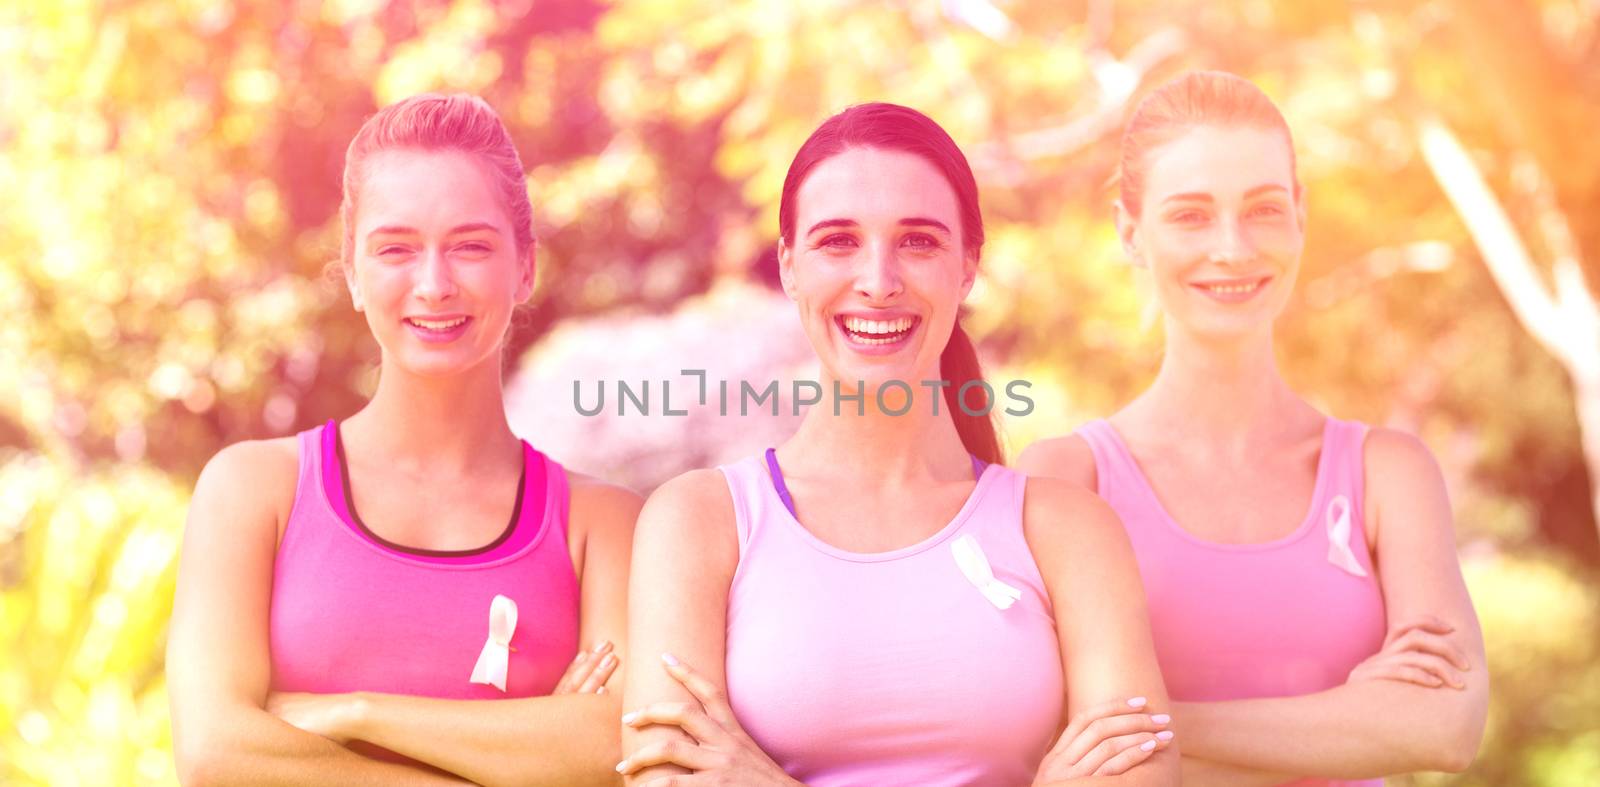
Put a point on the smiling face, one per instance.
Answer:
(1221, 226)
(435, 266)
(877, 266)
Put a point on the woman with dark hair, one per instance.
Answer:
(1306, 602)
(862, 604)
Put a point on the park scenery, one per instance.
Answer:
(169, 213)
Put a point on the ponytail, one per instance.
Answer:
(959, 365)
(893, 127)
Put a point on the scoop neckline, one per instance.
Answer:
(979, 488)
(407, 555)
(1318, 492)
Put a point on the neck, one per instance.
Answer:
(1222, 393)
(877, 445)
(440, 422)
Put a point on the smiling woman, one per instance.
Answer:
(877, 600)
(314, 644)
(1307, 606)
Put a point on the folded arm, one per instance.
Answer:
(218, 668)
(1372, 728)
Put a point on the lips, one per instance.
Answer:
(437, 323)
(438, 328)
(1234, 290)
(877, 332)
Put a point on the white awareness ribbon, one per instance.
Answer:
(496, 654)
(1339, 553)
(973, 563)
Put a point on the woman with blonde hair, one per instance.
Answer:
(312, 644)
(1305, 598)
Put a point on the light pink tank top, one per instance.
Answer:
(1238, 621)
(352, 613)
(890, 668)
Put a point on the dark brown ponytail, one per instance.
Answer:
(894, 127)
(959, 366)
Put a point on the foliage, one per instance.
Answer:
(173, 166)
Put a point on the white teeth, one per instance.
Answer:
(437, 325)
(859, 325)
(1232, 289)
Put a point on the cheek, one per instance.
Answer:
(1284, 240)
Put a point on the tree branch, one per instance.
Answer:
(1497, 240)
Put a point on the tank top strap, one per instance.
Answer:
(1346, 466)
(1345, 485)
(752, 505)
(558, 495)
(998, 509)
(996, 522)
(1115, 469)
(310, 474)
(308, 511)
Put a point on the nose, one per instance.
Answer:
(435, 281)
(878, 278)
(1233, 245)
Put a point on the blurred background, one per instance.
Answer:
(169, 184)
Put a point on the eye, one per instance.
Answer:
(838, 240)
(922, 241)
(475, 247)
(1188, 216)
(393, 250)
(1268, 211)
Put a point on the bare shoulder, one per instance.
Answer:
(1406, 493)
(246, 489)
(693, 511)
(1067, 457)
(600, 503)
(1064, 517)
(1396, 458)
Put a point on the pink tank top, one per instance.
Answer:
(892, 667)
(353, 613)
(1238, 621)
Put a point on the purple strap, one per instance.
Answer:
(978, 466)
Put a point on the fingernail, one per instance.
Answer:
(627, 718)
(600, 690)
(600, 645)
(1137, 702)
(671, 660)
(1147, 745)
(1165, 735)
(609, 660)
(621, 765)
(1161, 718)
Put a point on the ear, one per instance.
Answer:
(786, 268)
(350, 283)
(1128, 233)
(969, 271)
(525, 279)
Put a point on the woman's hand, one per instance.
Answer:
(333, 716)
(1418, 653)
(589, 671)
(722, 753)
(1105, 740)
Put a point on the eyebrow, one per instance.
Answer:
(399, 229)
(1200, 196)
(913, 221)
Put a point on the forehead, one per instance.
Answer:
(428, 189)
(867, 184)
(1220, 161)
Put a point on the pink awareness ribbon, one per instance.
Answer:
(495, 657)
